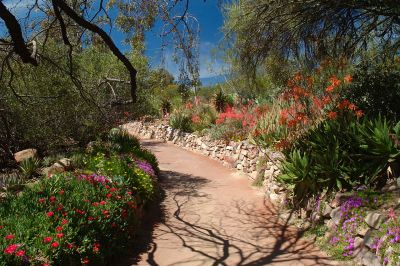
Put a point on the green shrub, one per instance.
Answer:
(203, 117)
(11, 180)
(166, 106)
(376, 88)
(230, 130)
(122, 141)
(339, 155)
(268, 130)
(181, 120)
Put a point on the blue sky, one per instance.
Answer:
(210, 19)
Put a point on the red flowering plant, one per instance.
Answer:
(301, 106)
(236, 122)
(195, 116)
(90, 220)
(84, 217)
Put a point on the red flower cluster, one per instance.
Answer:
(196, 119)
(229, 113)
(103, 211)
(248, 114)
(305, 106)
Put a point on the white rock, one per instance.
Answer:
(336, 215)
(374, 219)
(65, 162)
(326, 212)
(370, 259)
(25, 154)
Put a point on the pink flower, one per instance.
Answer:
(47, 239)
(20, 253)
(50, 214)
(60, 235)
(11, 249)
(9, 237)
(391, 214)
(55, 244)
(59, 228)
(64, 221)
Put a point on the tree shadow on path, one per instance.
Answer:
(242, 234)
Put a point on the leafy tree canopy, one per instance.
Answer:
(310, 30)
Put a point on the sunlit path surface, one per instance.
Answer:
(211, 216)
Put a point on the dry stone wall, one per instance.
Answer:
(242, 156)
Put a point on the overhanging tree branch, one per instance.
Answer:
(14, 29)
(107, 40)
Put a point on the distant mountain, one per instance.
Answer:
(212, 80)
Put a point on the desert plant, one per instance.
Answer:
(220, 101)
(165, 107)
(8, 180)
(77, 160)
(181, 120)
(203, 116)
(341, 155)
(50, 159)
(30, 167)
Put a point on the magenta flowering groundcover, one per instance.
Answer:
(78, 219)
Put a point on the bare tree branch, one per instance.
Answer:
(14, 29)
(107, 40)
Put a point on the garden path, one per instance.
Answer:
(211, 216)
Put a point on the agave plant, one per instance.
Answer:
(30, 167)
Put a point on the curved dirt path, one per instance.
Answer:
(213, 217)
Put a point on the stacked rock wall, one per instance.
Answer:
(243, 156)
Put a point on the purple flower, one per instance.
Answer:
(146, 167)
(334, 240)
